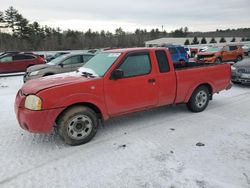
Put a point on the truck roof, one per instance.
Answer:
(122, 50)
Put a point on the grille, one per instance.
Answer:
(246, 71)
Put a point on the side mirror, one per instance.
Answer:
(117, 74)
(61, 65)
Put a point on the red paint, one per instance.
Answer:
(117, 97)
(20, 65)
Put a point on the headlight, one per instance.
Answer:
(233, 68)
(33, 102)
(34, 73)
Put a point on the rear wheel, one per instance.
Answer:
(199, 99)
(77, 125)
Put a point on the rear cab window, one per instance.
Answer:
(162, 61)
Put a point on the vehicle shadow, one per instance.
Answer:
(122, 125)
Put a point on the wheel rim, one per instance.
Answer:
(79, 127)
(201, 99)
(239, 59)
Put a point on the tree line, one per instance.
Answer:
(212, 41)
(18, 33)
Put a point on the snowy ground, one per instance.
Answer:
(156, 148)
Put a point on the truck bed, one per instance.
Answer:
(189, 76)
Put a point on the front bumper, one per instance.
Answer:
(239, 79)
(37, 121)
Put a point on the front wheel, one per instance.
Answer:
(199, 99)
(77, 125)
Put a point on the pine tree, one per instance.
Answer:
(187, 42)
(222, 40)
(203, 40)
(195, 40)
(11, 18)
(212, 41)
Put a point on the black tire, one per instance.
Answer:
(199, 99)
(72, 126)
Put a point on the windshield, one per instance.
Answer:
(213, 49)
(57, 60)
(100, 63)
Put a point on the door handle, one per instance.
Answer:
(151, 80)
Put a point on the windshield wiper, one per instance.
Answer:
(87, 74)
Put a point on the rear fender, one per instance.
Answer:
(195, 86)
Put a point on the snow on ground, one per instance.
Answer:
(155, 148)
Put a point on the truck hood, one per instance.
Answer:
(38, 67)
(243, 63)
(36, 85)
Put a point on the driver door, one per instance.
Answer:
(136, 90)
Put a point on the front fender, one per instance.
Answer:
(83, 98)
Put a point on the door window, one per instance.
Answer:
(86, 58)
(136, 65)
(232, 48)
(73, 60)
(6, 59)
(20, 57)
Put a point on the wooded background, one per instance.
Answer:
(31, 36)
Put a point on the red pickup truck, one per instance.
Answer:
(115, 83)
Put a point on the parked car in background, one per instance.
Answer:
(9, 52)
(64, 63)
(246, 49)
(18, 62)
(114, 83)
(241, 71)
(178, 53)
(221, 54)
(191, 51)
(58, 54)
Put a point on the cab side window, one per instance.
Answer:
(73, 60)
(136, 64)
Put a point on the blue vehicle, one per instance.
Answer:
(178, 53)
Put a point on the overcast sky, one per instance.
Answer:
(197, 15)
